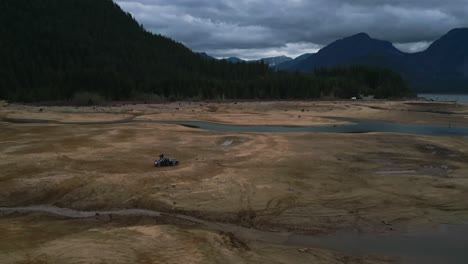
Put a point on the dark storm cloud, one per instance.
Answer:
(253, 28)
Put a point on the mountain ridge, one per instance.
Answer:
(270, 61)
(444, 63)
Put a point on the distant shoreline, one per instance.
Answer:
(426, 97)
(444, 97)
(225, 101)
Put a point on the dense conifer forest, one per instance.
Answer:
(55, 50)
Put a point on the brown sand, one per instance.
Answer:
(302, 182)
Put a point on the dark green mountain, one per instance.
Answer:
(206, 56)
(54, 49)
(62, 49)
(273, 61)
(443, 67)
(234, 60)
(357, 49)
(270, 61)
(287, 65)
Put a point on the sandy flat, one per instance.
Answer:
(314, 183)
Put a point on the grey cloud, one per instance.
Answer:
(412, 47)
(252, 28)
(290, 50)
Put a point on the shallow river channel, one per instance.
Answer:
(354, 126)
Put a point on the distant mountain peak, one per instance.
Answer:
(277, 57)
(273, 61)
(455, 40)
(365, 39)
(205, 55)
(361, 35)
(442, 67)
(234, 60)
(458, 31)
(357, 45)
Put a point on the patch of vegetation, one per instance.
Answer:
(356, 81)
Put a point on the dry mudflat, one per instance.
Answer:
(97, 159)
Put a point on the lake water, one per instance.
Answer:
(447, 244)
(460, 98)
(357, 126)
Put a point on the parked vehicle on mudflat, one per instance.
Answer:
(163, 161)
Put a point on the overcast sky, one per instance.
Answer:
(253, 29)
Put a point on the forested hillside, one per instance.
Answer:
(57, 49)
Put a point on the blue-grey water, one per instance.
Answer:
(460, 98)
(448, 244)
(357, 126)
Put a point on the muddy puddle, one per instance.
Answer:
(447, 244)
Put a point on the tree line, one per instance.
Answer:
(55, 50)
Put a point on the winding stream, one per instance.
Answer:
(356, 126)
(447, 244)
